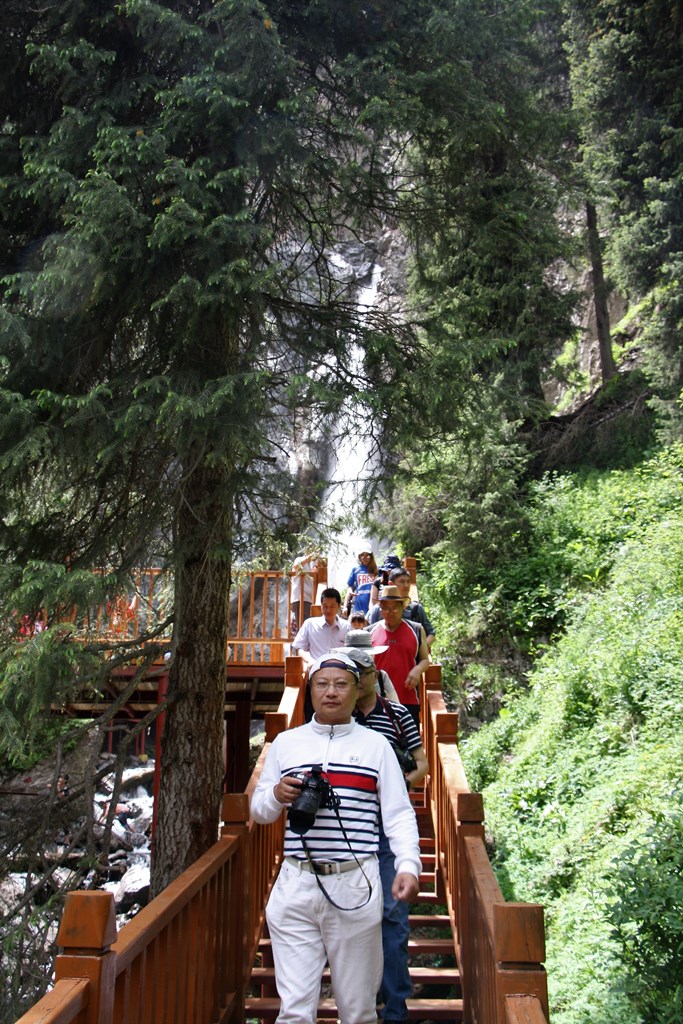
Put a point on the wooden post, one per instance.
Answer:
(235, 818)
(86, 932)
(294, 670)
(410, 564)
(519, 950)
(469, 822)
(432, 677)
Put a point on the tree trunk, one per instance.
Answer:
(602, 326)
(192, 759)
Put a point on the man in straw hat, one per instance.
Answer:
(358, 646)
(407, 654)
(326, 903)
(414, 610)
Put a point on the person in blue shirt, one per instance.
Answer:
(360, 581)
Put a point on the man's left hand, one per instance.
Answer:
(413, 679)
(405, 887)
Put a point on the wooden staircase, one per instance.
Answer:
(437, 994)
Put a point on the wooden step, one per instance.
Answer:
(430, 921)
(435, 976)
(428, 897)
(435, 1009)
(268, 1007)
(420, 975)
(433, 947)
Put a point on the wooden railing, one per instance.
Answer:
(184, 957)
(500, 946)
(187, 956)
(263, 615)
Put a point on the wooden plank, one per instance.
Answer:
(418, 1009)
(524, 1010)
(61, 1005)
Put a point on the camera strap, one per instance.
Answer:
(317, 876)
(395, 721)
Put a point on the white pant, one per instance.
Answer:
(306, 930)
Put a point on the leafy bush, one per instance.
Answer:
(583, 777)
(646, 880)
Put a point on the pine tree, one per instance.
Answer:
(626, 69)
(175, 175)
(493, 163)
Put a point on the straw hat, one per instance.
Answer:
(392, 593)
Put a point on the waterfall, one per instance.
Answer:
(351, 463)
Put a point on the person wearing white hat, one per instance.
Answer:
(396, 723)
(327, 901)
(358, 646)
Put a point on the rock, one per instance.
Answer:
(132, 888)
(12, 888)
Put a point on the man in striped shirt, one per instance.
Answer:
(327, 903)
(396, 723)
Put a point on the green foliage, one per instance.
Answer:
(582, 775)
(625, 70)
(645, 903)
(515, 560)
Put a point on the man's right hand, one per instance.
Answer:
(287, 789)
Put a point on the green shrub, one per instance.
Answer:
(583, 776)
(646, 886)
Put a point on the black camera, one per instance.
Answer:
(405, 759)
(316, 792)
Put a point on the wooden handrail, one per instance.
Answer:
(262, 613)
(184, 956)
(66, 1003)
(499, 946)
(192, 948)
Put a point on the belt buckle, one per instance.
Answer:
(324, 869)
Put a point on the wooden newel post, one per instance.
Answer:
(294, 670)
(469, 813)
(410, 564)
(235, 818)
(86, 932)
(432, 677)
(519, 951)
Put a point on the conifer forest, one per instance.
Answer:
(179, 181)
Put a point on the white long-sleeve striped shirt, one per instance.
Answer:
(364, 773)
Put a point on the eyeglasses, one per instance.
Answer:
(368, 672)
(339, 686)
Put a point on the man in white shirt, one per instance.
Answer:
(327, 901)
(320, 634)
